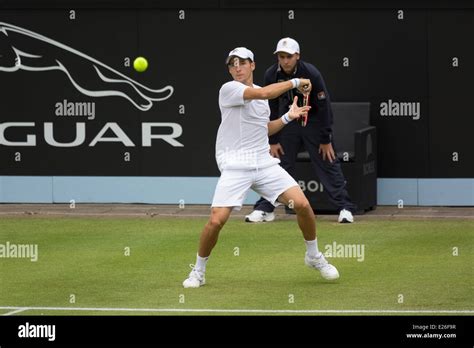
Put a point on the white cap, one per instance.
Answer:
(240, 52)
(288, 45)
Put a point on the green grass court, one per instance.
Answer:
(406, 266)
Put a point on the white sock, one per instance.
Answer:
(201, 263)
(312, 248)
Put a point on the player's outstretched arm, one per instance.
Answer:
(276, 89)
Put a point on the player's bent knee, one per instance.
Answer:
(302, 206)
(216, 223)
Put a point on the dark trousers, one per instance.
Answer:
(292, 139)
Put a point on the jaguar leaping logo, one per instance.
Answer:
(22, 49)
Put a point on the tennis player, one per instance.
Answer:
(243, 157)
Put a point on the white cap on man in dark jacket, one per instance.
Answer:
(288, 45)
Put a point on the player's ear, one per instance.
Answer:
(252, 65)
(297, 56)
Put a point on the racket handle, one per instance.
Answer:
(304, 119)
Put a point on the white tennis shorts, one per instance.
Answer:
(233, 185)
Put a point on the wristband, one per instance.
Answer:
(295, 82)
(285, 119)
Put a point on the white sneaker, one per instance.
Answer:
(259, 216)
(345, 217)
(327, 270)
(195, 279)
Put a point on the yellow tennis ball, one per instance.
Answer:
(140, 64)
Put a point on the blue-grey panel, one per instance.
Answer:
(158, 190)
(26, 189)
(449, 192)
(391, 191)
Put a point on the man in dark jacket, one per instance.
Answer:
(315, 137)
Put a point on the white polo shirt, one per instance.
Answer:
(242, 137)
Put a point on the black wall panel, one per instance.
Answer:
(372, 55)
(193, 57)
(32, 96)
(451, 63)
(398, 61)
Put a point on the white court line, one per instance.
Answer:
(264, 311)
(16, 311)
